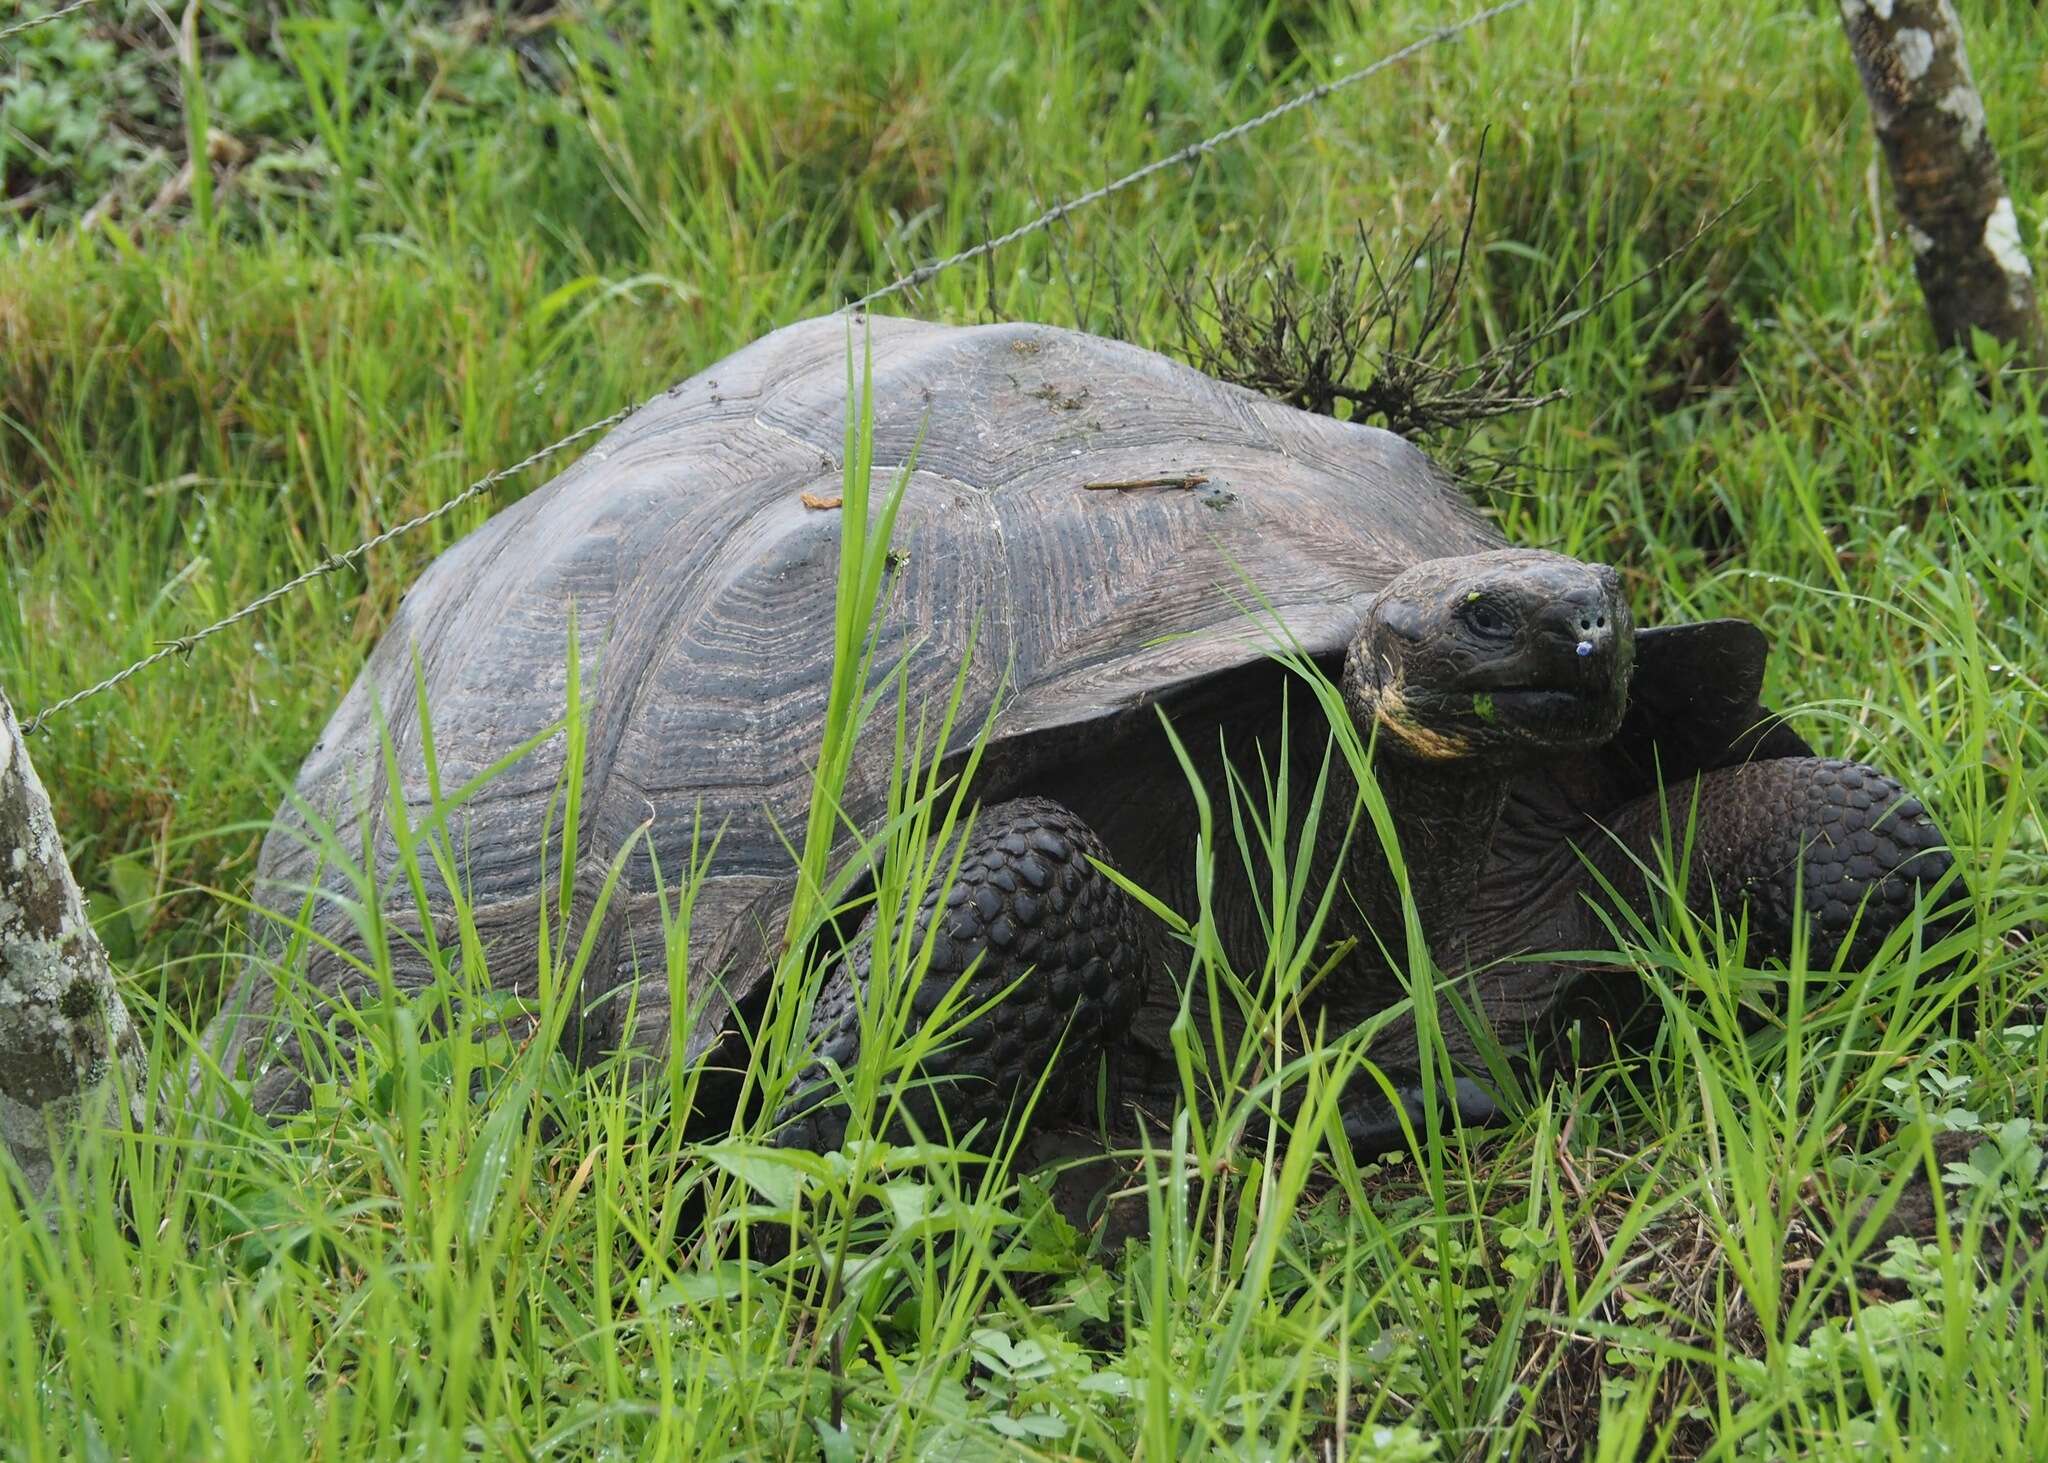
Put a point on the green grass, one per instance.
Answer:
(424, 257)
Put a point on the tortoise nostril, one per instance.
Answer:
(1585, 622)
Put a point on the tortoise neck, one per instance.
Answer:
(1444, 815)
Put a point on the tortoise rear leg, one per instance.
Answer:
(1834, 843)
(1035, 914)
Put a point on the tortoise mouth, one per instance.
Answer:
(1543, 699)
(1551, 700)
(1555, 714)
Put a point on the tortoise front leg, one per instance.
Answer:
(1373, 1127)
(1835, 843)
(1028, 911)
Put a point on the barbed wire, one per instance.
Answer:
(924, 272)
(1187, 154)
(35, 20)
(183, 644)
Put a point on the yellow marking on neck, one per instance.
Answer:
(1390, 710)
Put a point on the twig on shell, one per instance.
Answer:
(1125, 485)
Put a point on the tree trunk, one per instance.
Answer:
(65, 1037)
(1951, 195)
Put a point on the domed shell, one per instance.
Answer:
(701, 589)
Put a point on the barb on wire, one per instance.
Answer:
(1187, 154)
(911, 280)
(35, 20)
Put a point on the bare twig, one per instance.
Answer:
(1125, 485)
(1357, 345)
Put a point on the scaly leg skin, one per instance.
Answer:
(1373, 1128)
(1836, 843)
(1037, 915)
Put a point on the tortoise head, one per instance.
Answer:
(1506, 656)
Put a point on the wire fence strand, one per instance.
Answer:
(35, 20)
(1187, 154)
(184, 645)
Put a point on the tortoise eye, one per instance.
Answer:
(1485, 618)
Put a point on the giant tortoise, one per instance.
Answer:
(1534, 747)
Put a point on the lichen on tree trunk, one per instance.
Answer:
(1951, 195)
(65, 1037)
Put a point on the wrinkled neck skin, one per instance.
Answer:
(1444, 814)
(1444, 805)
